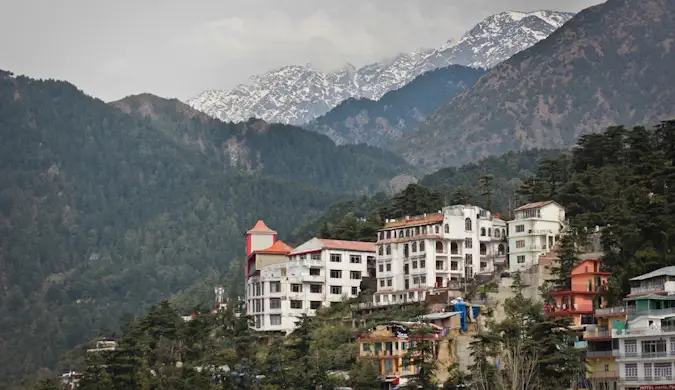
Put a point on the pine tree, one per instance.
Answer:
(486, 187)
(422, 357)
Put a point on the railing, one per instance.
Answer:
(654, 312)
(647, 289)
(606, 375)
(590, 333)
(599, 353)
(614, 310)
(640, 355)
(642, 331)
(648, 378)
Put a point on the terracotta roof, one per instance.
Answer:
(429, 219)
(260, 227)
(348, 245)
(534, 205)
(279, 247)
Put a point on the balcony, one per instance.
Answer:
(647, 289)
(603, 375)
(617, 310)
(633, 332)
(642, 355)
(313, 278)
(599, 354)
(597, 334)
(648, 379)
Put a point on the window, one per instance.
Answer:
(380, 267)
(439, 265)
(366, 347)
(336, 290)
(483, 249)
(653, 347)
(355, 291)
(316, 256)
(417, 231)
(497, 233)
(631, 370)
(454, 248)
(335, 257)
(355, 275)
(355, 259)
(296, 288)
(447, 228)
(388, 249)
(421, 246)
(295, 304)
(315, 288)
(380, 250)
(414, 247)
(520, 228)
(314, 305)
(423, 264)
(275, 319)
(414, 264)
(423, 279)
(468, 243)
(388, 233)
(520, 259)
(500, 249)
(381, 282)
(407, 232)
(315, 271)
(388, 265)
(630, 347)
(489, 232)
(454, 266)
(416, 280)
(424, 230)
(437, 229)
(520, 244)
(335, 274)
(482, 231)
(467, 224)
(275, 287)
(389, 282)
(275, 303)
(503, 232)
(468, 258)
(663, 370)
(439, 247)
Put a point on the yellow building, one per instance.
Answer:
(389, 342)
(602, 368)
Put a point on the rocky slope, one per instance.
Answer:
(610, 64)
(297, 94)
(375, 122)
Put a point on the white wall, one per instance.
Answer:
(538, 233)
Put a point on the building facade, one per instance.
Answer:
(283, 283)
(427, 252)
(533, 231)
(645, 343)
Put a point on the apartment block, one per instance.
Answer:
(533, 232)
(284, 283)
(418, 254)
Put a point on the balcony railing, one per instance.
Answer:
(641, 355)
(646, 289)
(595, 354)
(603, 375)
(642, 331)
(615, 310)
(591, 333)
(656, 379)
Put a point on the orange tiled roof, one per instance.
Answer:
(534, 205)
(429, 219)
(260, 227)
(278, 247)
(348, 245)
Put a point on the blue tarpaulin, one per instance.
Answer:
(461, 307)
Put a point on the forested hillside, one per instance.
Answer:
(102, 212)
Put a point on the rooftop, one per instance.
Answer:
(665, 271)
(535, 205)
(415, 221)
(278, 247)
(359, 246)
(260, 227)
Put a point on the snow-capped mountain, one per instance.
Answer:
(297, 94)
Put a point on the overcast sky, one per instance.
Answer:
(178, 48)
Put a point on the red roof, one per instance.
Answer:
(429, 219)
(534, 205)
(260, 227)
(278, 247)
(348, 245)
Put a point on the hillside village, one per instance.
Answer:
(456, 268)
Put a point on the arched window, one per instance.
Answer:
(405, 250)
(489, 232)
(424, 230)
(500, 250)
(421, 246)
(388, 249)
(400, 233)
(483, 249)
(453, 248)
(482, 231)
(439, 247)
(447, 228)
(380, 250)
(414, 247)
(503, 232)
(407, 232)
(497, 233)
(436, 229)
(467, 224)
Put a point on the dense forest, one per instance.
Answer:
(105, 212)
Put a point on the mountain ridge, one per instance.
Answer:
(296, 94)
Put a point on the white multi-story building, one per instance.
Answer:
(423, 253)
(533, 232)
(645, 344)
(284, 283)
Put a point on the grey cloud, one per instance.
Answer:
(178, 48)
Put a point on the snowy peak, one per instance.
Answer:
(296, 94)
